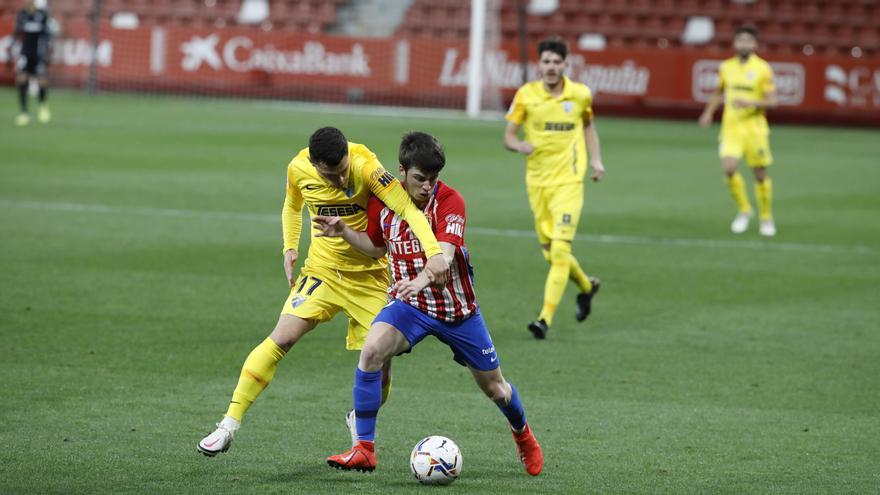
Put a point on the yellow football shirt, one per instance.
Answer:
(366, 177)
(555, 127)
(751, 80)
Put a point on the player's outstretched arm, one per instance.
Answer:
(408, 288)
(711, 106)
(395, 197)
(512, 141)
(290, 257)
(291, 227)
(591, 136)
(336, 227)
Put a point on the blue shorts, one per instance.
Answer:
(469, 339)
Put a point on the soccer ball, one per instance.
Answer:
(435, 460)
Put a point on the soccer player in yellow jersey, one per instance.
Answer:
(557, 116)
(331, 177)
(746, 87)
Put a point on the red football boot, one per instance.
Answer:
(361, 458)
(529, 451)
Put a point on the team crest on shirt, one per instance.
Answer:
(750, 75)
(567, 106)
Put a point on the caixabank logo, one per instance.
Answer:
(789, 78)
(243, 54)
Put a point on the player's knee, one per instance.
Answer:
(371, 358)
(288, 331)
(560, 252)
(729, 165)
(498, 392)
(282, 340)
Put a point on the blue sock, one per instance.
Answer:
(513, 410)
(367, 399)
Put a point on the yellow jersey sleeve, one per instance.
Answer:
(291, 213)
(587, 114)
(517, 111)
(384, 186)
(768, 85)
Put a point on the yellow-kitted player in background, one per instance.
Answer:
(747, 89)
(557, 117)
(332, 177)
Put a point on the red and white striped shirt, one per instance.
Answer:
(445, 211)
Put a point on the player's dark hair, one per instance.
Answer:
(327, 145)
(423, 151)
(747, 28)
(553, 44)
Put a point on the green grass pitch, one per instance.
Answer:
(140, 263)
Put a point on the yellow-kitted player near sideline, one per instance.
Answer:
(332, 177)
(557, 116)
(747, 89)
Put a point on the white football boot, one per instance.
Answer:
(768, 228)
(220, 439)
(741, 223)
(352, 427)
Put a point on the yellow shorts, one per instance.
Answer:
(754, 145)
(319, 294)
(557, 210)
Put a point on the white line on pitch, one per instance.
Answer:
(485, 231)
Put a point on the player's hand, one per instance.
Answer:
(526, 148)
(437, 269)
(290, 257)
(329, 226)
(598, 170)
(705, 120)
(405, 289)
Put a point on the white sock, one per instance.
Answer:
(230, 424)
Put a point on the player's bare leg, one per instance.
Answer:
(764, 195)
(43, 114)
(21, 81)
(256, 374)
(383, 342)
(737, 186)
(506, 397)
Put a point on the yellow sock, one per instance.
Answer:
(737, 187)
(257, 372)
(576, 274)
(764, 194)
(386, 390)
(560, 267)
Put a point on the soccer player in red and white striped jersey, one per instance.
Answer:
(445, 210)
(419, 308)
